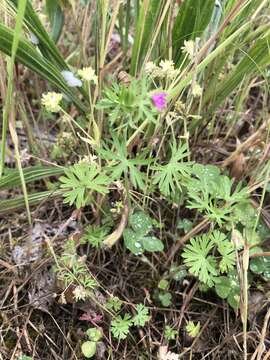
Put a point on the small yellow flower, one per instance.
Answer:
(88, 74)
(51, 101)
(196, 90)
(167, 68)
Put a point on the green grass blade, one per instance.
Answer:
(191, 21)
(8, 103)
(145, 25)
(46, 44)
(33, 199)
(28, 56)
(253, 63)
(56, 17)
(32, 173)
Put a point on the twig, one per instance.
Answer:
(116, 235)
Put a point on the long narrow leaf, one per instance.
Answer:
(28, 56)
(33, 199)
(32, 173)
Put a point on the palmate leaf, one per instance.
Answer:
(170, 176)
(226, 250)
(120, 326)
(200, 263)
(123, 165)
(142, 315)
(28, 56)
(94, 235)
(79, 180)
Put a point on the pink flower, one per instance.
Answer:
(159, 100)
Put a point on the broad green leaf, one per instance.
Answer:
(140, 222)
(223, 287)
(89, 349)
(132, 242)
(261, 265)
(234, 299)
(152, 244)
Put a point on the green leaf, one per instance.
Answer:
(114, 303)
(89, 349)
(223, 287)
(132, 242)
(192, 19)
(163, 284)
(256, 59)
(79, 180)
(227, 287)
(245, 214)
(31, 173)
(184, 224)
(261, 265)
(197, 257)
(120, 326)
(193, 329)
(144, 32)
(94, 334)
(122, 165)
(165, 299)
(226, 250)
(169, 177)
(33, 199)
(56, 17)
(152, 244)
(94, 235)
(30, 57)
(140, 222)
(135, 237)
(234, 299)
(142, 316)
(170, 333)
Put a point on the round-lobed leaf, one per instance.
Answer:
(89, 349)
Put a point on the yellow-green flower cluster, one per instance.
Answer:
(51, 101)
(80, 293)
(88, 74)
(164, 70)
(189, 48)
(196, 90)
